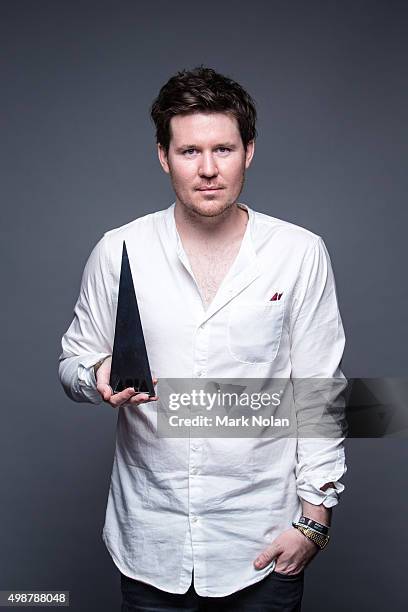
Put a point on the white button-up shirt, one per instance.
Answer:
(209, 503)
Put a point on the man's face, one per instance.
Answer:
(206, 161)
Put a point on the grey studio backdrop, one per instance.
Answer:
(78, 158)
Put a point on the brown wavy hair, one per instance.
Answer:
(202, 90)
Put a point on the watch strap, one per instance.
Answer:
(318, 538)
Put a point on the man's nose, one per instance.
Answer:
(208, 167)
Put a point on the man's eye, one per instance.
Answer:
(189, 151)
(223, 149)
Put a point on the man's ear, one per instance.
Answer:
(161, 152)
(249, 153)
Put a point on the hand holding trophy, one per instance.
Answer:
(127, 396)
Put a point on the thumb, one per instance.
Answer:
(267, 555)
(105, 390)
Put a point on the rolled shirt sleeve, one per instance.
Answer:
(317, 345)
(89, 338)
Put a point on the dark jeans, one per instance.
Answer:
(275, 593)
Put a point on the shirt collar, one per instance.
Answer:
(247, 254)
(244, 270)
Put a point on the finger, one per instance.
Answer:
(121, 398)
(267, 556)
(139, 398)
(290, 568)
(142, 398)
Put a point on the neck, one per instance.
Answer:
(230, 224)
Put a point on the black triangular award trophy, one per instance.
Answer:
(130, 364)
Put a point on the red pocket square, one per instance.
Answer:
(276, 297)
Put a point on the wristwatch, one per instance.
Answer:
(318, 538)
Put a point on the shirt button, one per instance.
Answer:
(194, 519)
(193, 470)
(200, 373)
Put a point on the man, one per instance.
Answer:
(223, 291)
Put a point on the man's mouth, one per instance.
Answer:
(209, 188)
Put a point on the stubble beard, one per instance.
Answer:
(217, 208)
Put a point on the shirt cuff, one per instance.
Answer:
(311, 492)
(86, 376)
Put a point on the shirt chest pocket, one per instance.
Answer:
(254, 331)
